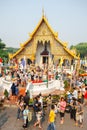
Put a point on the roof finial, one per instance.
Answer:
(43, 12)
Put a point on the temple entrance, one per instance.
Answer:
(45, 54)
(45, 60)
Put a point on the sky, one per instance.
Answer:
(18, 18)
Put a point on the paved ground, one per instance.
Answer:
(8, 121)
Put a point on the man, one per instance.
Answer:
(79, 114)
(26, 99)
(75, 93)
(51, 119)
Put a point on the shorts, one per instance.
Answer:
(62, 114)
(79, 118)
(38, 115)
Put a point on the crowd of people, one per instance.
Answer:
(75, 99)
(76, 110)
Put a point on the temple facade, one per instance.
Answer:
(44, 46)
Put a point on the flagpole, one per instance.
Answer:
(25, 63)
(47, 70)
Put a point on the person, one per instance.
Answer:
(73, 109)
(79, 114)
(56, 75)
(85, 82)
(80, 96)
(56, 108)
(85, 97)
(83, 92)
(69, 97)
(25, 116)
(75, 93)
(51, 119)
(26, 98)
(38, 116)
(62, 109)
(20, 105)
(13, 88)
(41, 100)
(49, 101)
(35, 105)
(16, 91)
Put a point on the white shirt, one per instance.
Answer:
(75, 94)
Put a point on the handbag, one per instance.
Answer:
(29, 116)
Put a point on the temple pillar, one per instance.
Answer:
(72, 66)
(41, 61)
(50, 61)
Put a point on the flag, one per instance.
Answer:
(23, 62)
(61, 61)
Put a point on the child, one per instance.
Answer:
(25, 116)
(51, 119)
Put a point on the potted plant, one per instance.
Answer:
(6, 94)
(66, 85)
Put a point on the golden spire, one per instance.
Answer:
(43, 12)
(46, 17)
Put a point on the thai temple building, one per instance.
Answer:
(44, 46)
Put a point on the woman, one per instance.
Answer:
(38, 116)
(20, 105)
(62, 109)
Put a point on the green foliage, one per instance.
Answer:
(11, 49)
(81, 48)
(81, 71)
(6, 93)
(4, 51)
(2, 45)
(72, 47)
(66, 84)
(56, 97)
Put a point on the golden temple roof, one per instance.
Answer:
(55, 34)
(71, 53)
(45, 20)
(13, 55)
(32, 34)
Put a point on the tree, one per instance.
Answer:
(3, 53)
(81, 48)
(2, 45)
